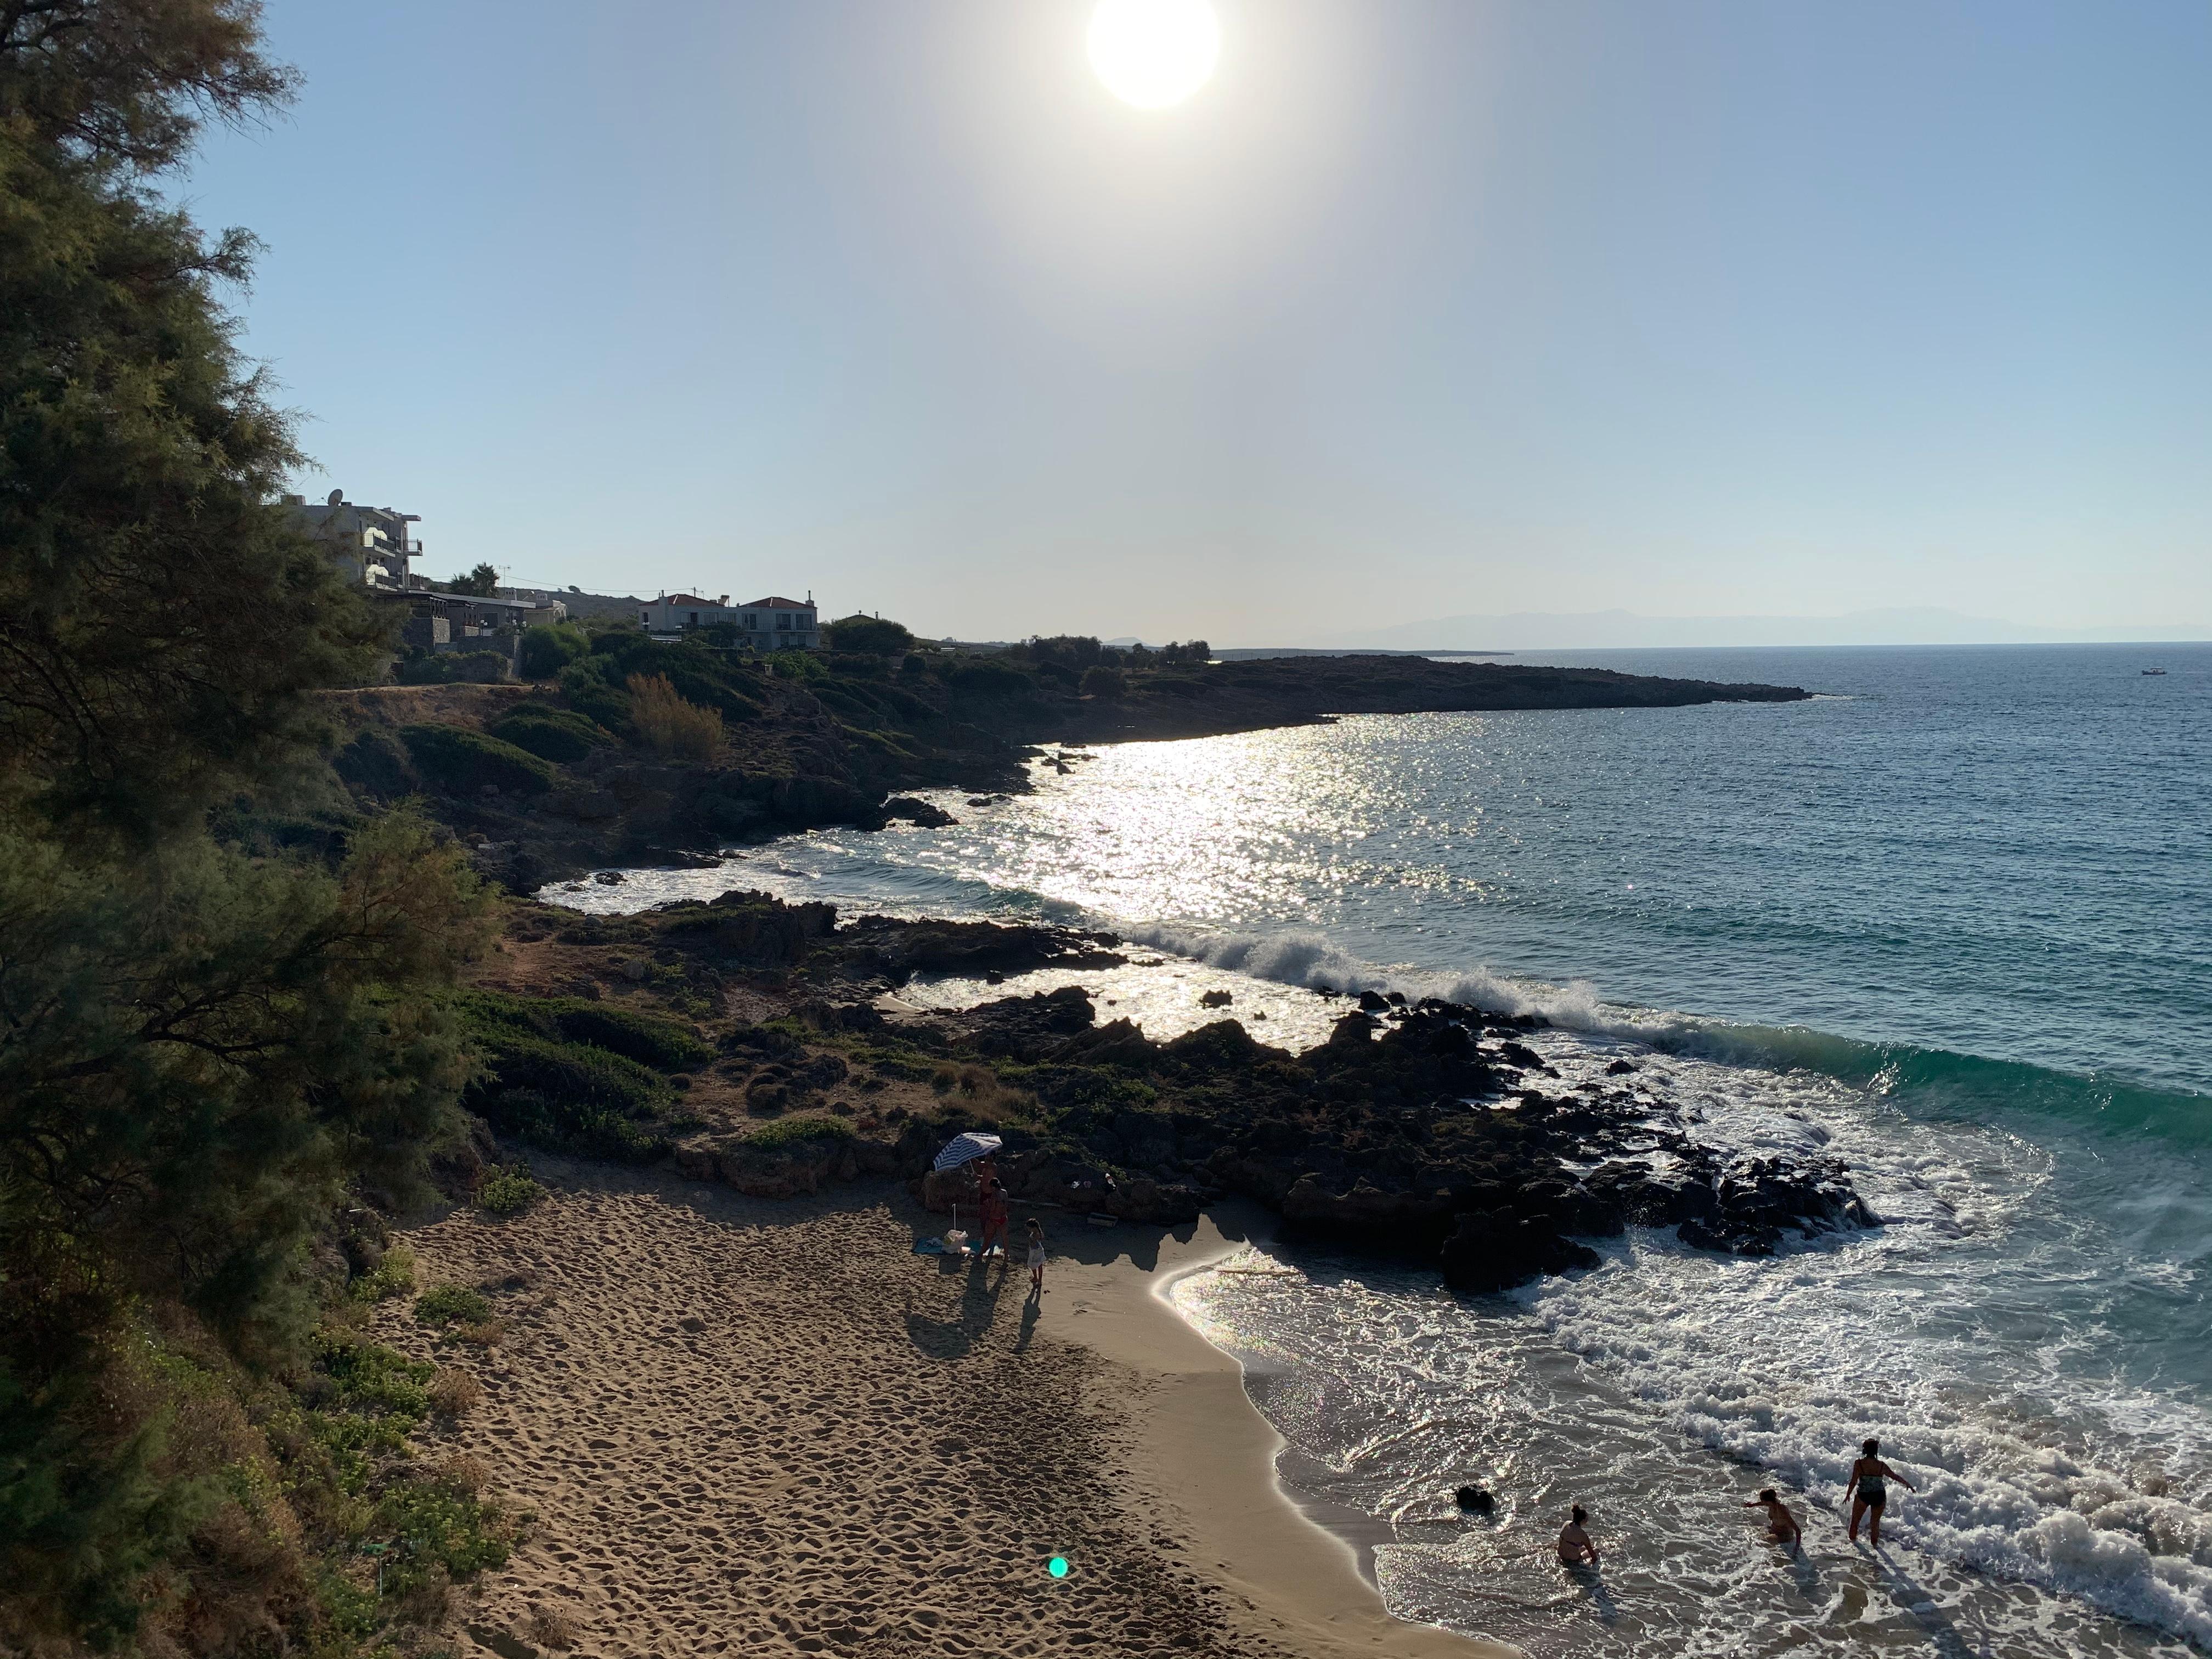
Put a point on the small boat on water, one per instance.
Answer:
(2154, 671)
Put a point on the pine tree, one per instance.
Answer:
(201, 1049)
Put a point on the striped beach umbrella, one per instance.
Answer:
(963, 1149)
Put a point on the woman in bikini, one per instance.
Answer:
(1869, 1478)
(994, 1213)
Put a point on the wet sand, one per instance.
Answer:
(769, 1428)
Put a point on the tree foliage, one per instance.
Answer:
(140, 456)
(871, 634)
(197, 1060)
(210, 1035)
(481, 583)
(549, 647)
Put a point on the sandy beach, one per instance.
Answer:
(769, 1428)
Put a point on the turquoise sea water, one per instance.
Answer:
(1953, 920)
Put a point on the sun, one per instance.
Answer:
(1153, 53)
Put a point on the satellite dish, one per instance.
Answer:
(338, 498)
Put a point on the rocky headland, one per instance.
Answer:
(1428, 1131)
(550, 780)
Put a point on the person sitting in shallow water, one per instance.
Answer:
(1781, 1525)
(1575, 1549)
(1869, 1478)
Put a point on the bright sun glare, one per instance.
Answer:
(1153, 53)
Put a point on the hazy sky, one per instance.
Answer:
(1417, 309)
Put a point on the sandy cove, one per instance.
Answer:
(769, 1428)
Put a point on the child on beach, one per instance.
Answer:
(1037, 1257)
(1575, 1549)
(1781, 1525)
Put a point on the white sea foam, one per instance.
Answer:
(1297, 958)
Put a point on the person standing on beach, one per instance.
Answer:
(1870, 1478)
(1781, 1525)
(1575, 1549)
(1037, 1257)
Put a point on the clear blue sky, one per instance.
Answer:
(1421, 307)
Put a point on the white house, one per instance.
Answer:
(369, 543)
(769, 625)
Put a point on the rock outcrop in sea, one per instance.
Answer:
(1430, 1131)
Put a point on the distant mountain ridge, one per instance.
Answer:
(1593, 630)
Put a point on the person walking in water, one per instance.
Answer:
(1781, 1525)
(1575, 1549)
(1870, 1478)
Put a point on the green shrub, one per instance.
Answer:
(648, 1039)
(987, 676)
(375, 762)
(454, 668)
(434, 1524)
(576, 1074)
(726, 681)
(560, 735)
(595, 688)
(509, 1193)
(450, 1304)
(794, 664)
(584, 1129)
(549, 647)
(540, 1081)
(394, 1274)
(358, 1407)
(464, 761)
(788, 1132)
(869, 634)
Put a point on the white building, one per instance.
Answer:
(769, 625)
(369, 543)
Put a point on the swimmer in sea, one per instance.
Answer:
(1781, 1525)
(1575, 1549)
(1869, 1478)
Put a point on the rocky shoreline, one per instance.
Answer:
(1430, 1131)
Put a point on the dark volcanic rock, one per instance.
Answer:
(903, 949)
(1027, 1028)
(1414, 1130)
(1379, 1139)
(1496, 1252)
(918, 812)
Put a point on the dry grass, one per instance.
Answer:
(473, 706)
(978, 1090)
(552, 1628)
(667, 725)
(454, 1391)
(466, 1472)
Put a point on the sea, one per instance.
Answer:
(1951, 920)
